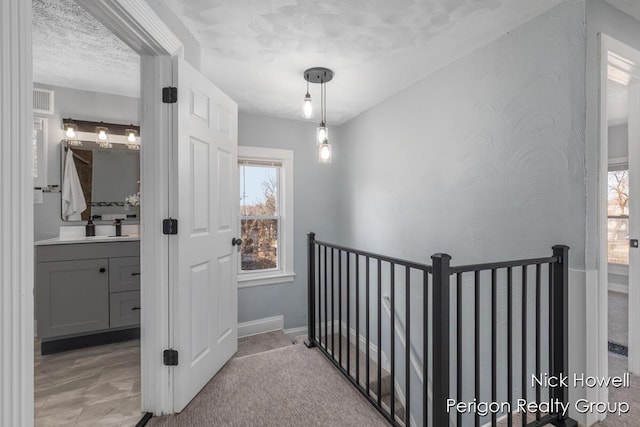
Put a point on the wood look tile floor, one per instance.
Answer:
(95, 386)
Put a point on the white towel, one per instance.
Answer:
(73, 202)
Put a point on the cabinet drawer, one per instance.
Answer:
(124, 308)
(124, 274)
(71, 297)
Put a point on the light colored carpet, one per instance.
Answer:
(289, 386)
(262, 342)
(618, 317)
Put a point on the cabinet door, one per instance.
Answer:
(124, 309)
(72, 297)
(124, 274)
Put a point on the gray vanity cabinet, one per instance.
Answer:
(74, 299)
(87, 288)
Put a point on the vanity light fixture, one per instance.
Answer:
(132, 139)
(321, 76)
(70, 130)
(102, 137)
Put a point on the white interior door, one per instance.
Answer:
(204, 305)
(634, 226)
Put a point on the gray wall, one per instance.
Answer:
(315, 209)
(618, 141)
(79, 105)
(484, 159)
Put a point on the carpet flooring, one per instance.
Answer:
(631, 395)
(289, 386)
(618, 308)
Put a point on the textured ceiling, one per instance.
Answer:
(72, 49)
(257, 50)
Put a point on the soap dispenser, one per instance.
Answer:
(90, 228)
(118, 225)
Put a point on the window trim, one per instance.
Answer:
(285, 273)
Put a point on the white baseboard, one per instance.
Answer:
(260, 326)
(295, 332)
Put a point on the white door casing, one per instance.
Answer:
(203, 262)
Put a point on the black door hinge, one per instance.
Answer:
(170, 357)
(169, 95)
(170, 226)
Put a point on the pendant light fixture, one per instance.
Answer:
(307, 106)
(321, 76)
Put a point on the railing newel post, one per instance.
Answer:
(440, 341)
(310, 342)
(559, 309)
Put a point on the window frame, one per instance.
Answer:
(285, 272)
(617, 163)
(41, 147)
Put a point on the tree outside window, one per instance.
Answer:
(618, 216)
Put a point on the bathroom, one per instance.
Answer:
(86, 144)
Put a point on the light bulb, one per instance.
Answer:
(132, 137)
(102, 136)
(71, 132)
(307, 108)
(322, 133)
(324, 152)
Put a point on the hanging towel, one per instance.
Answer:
(73, 202)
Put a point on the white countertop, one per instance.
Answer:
(91, 239)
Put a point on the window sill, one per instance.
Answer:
(265, 279)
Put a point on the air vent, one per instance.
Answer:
(42, 101)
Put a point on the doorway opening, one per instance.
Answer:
(87, 358)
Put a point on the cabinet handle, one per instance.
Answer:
(135, 308)
(102, 270)
(135, 274)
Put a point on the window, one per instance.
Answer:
(618, 214)
(39, 145)
(266, 216)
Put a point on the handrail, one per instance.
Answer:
(397, 261)
(503, 264)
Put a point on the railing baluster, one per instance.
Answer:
(441, 343)
(319, 283)
(524, 340)
(477, 341)
(348, 304)
(339, 307)
(367, 376)
(392, 288)
(333, 317)
(494, 342)
(559, 302)
(550, 338)
(326, 328)
(458, 344)
(425, 347)
(538, 269)
(357, 318)
(510, 344)
(379, 332)
(407, 352)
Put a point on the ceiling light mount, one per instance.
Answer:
(318, 75)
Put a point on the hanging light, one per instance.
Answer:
(307, 106)
(70, 131)
(102, 137)
(321, 75)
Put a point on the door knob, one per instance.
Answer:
(633, 243)
(236, 241)
(102, 270)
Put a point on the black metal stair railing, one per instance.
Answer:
(345, 288)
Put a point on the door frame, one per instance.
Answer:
(599, 340)
(136, 23)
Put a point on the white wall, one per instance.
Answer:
(483, 160)
(315, 209)
(79, 105)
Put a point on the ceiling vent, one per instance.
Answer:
(42, 101)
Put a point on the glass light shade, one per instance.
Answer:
(102, 137)
(322, 134)
(324, 152)
(307, 107)
(131, 135)
(70, 130)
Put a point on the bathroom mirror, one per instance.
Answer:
(105, 180)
